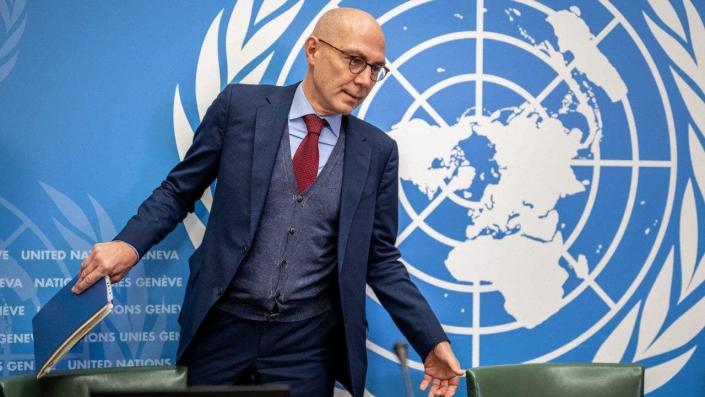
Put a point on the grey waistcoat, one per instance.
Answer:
(287, 273)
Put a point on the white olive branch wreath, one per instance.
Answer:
(246, 46)
(14, 19)
(687, 54)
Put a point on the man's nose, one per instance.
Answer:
(364, 78)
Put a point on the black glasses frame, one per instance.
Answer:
(378, 71)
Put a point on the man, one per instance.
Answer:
(304, 216)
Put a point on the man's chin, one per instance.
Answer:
(347, 107)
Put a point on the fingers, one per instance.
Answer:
(86, 275)
(445, 388)
(455, 367)
(88, 264)
(115, 278)
(452, 387)
(435, 385)
(425, 381)
(93, 268)
(84, 282)
(440, 387)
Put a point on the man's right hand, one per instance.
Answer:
(114, 259)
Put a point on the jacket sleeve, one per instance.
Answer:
(169, 203)
(387, 275)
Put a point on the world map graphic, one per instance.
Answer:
(513, 235)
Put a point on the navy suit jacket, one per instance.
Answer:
(237, 143)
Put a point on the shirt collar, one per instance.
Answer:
(301, 107)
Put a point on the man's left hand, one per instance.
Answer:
(441, 371)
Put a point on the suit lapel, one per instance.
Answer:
(356, 164)
(270, 124)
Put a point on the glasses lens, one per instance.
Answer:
(357, 64)
(378, 73)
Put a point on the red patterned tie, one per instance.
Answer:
(306, 156)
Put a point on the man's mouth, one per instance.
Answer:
(354, 97)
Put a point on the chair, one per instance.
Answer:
(557, 380)
(80, 383)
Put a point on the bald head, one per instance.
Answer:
(342, 36)
(342, 23)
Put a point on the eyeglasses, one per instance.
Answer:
(358, 64)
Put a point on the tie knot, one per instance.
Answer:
(314, 124)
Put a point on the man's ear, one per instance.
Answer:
(311, 47)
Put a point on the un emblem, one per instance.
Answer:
(537, 173)
(531, 155)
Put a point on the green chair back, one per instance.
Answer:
(557, 380)
(80, 383)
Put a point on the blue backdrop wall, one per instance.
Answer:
(552, 168)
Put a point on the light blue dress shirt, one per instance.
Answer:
(297, 128)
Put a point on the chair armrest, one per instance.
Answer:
(80, 383)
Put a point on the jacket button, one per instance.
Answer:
(299, 198)
(292, 230)
(219, 292)
(243, 250)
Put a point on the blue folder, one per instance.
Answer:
(65, 319)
